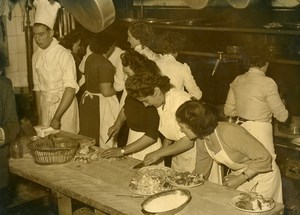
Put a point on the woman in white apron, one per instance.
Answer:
(253, 168)
(99, 105)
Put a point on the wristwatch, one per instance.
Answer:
(123, 150)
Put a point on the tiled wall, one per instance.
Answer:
(17, 69)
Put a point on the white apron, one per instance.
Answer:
(134, 136)
(264, 183)
(185, 161)
(109, 110)
(49, 103)
(263, 132)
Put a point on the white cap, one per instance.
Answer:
(46, 12)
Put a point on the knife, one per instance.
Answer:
(138, 166)
(109, 138)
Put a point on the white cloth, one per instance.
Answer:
(263, 132)
(109, 110)
(46, 12)
(265, 184)
(168, 126)
(146, 52)
(54, 70)
(179, 73)
(134, 136)
(82, 65)
(119, 77)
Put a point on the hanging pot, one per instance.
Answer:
(94, 15)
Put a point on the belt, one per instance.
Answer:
(241, 120)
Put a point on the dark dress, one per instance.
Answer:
(10, 125)
(97, 70)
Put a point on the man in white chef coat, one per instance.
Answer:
(54, 73)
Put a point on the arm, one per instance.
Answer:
(131, 148)
(230, 108)
(275, 103)
(178, 147)
(107, 89)
(65, 102)
(190, 83)
(113, 130)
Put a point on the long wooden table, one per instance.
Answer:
(98, 183)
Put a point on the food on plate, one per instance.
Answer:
(254, 202)
(186, 179)
(156, 171)
(149, 185)
(86, 154)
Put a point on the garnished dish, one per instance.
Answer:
(252, 202)
(158, 171)
(186, 179)
(86, 154)
(148, 185)
(151, 180)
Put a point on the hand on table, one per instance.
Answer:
(233, 181)
(112, 152)
(151, 158)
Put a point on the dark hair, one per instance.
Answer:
(100, 43)
(170, 42)
(138, 63)
(70, 39)
(141, 31)
(142, 84)
(198, 116)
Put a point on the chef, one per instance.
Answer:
(54, 73)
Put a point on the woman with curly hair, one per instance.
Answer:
(250, 163)
(139, 37)
(155, 90)
(142, 121)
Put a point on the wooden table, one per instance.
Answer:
(97, 184)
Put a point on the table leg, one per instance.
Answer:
(64, 204)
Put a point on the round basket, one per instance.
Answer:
(53, 151)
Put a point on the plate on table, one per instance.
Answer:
(148, 185)
(186, 179)
(156, 171)
(253, 203)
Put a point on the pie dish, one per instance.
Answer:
(186, 179)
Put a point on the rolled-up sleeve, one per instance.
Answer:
(68, 67)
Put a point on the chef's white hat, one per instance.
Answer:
(46, 12)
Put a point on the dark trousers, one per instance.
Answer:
(4, 196)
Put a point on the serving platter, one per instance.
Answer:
(158, 171)
(264, 208)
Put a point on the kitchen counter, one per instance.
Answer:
(97, 184)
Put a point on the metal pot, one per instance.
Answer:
(94, 15)
(293, 127)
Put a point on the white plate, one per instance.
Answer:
(236, 199)
(184, 186)
(138, 192)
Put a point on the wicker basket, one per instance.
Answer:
(48, 151)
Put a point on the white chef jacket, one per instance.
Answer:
(53, 70)
(179, 73)
(169, 127)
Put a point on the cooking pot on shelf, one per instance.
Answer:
(94, 15)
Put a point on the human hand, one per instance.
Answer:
(151, 158)
(112, 152)
(55, 123)
(233, 181)
(113, 130)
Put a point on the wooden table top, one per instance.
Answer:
(98, 183)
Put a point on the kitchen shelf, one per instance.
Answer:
(229, 29)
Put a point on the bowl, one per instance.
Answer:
(167, 202)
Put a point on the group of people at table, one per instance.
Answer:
(161, 104)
